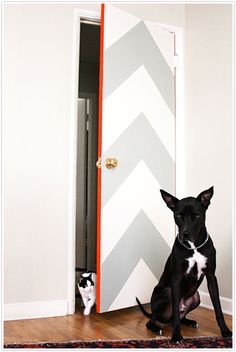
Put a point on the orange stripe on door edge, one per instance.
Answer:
(99, 182)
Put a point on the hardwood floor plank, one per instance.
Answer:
(123, 324)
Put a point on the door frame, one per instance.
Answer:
(78, 15)
(179, 130)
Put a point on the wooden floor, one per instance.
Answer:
(124, 324)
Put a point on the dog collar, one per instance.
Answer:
(192, 249)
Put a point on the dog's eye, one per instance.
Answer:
(196, 216)
(179, 216)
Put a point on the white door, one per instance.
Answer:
(136, 127)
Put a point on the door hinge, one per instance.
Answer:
(176, 61)
(87, 125)
(87, 106)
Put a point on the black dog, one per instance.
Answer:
(193, 256)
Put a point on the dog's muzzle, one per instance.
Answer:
(185, 236)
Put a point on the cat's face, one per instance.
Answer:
(86, 283)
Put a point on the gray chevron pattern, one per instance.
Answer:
(134, 49)
(140, 142)
(141, 240)
(137, 238)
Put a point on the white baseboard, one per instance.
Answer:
(226, 303)
(32, 310)
(45, 309)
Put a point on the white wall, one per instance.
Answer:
(209, 123)
(37, 108)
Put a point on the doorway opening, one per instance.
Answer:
(87, 144)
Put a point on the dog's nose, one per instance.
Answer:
(186, 235)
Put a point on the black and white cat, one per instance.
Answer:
(87, 289)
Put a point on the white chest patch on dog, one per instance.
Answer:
(197, 258)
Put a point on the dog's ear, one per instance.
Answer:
(170, 200)
(206, 196)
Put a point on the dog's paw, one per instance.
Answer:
(188, 322)
(177, 338)
(154, 328)
(159, 332)
(226, 333)
(194, 324)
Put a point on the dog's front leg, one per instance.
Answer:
(176, 334)
(214, 294)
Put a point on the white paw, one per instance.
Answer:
(87, 311)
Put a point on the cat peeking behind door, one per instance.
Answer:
(87, 289)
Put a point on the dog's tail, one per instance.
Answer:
(148, 315)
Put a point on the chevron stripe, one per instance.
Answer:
(140, 191)
(133, 50)
(138, 94)
(145, 146)
(141, 240)
(113, 19)
(141, 280)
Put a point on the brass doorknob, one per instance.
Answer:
(111, 163)
(99, 163)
